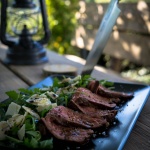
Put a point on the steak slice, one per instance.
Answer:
(68, 117)
(101, 90)
(69, 134)
(89, 109)
(98, 101)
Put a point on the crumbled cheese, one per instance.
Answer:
(21, 132)
(30, 111)
(3, 128)
(16, 119)
(13, 109)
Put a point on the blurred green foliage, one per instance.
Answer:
(62, 23)
(106, 1)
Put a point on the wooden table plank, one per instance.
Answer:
(9, 81)
(34, 73)
(139, 138)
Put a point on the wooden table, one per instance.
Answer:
(14, 77)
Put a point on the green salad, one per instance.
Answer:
(20, 114)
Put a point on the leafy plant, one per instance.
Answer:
(62, 22)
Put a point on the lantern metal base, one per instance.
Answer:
(18, 55)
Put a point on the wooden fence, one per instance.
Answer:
(130, 38)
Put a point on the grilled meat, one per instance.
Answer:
(92, 110)
(95, 87)
(88, 97)
(69, 117)
(70, 134)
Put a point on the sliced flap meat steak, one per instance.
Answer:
(88, 97)
(70, 134)
(89, 109)
(69, 117)
(95, 87)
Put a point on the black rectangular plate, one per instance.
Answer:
(126, 117)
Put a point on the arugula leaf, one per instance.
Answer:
(35, 134)
(45, 111)
(30, 92)
(2, 113)
(31, 143)
(84, 80)
(30, 123)
(13, 95)
(34, 143)
(15, 140)
(56, 82)
(106, 83)
(13, 131)
(16, 97)
(61, 101)
(46, 144)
